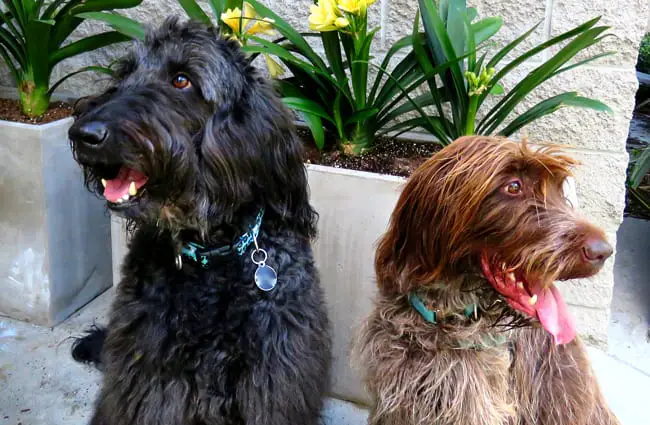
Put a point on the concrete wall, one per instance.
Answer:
(596, 139)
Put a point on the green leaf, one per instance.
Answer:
(532, 52)
(7, 19)
(640, 198)
(472, 13)
(402, 43)
(332, 48)
(51, 22)
(292, 35)
(582, 62)
(443, 51)
(51, 9)
(79, 71)
(37, 52)
(511, 46)
(497, 90)
(119, 23)
(338, 120)
(306, 105)
(640, 168)
(103, 5)
(218, 8)
(362, 115)
(195, 12)
(359, 71)
(315, 125)
(86, 45)
(13, 47)
(548, 106)
(485, 29)
(456, 27)
(536, 77)
(430, 124)
(15, 8)
(15, 73)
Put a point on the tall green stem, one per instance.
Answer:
(34, 98)
(471, 115)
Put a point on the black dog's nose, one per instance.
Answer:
(597, 250)
(91, 133)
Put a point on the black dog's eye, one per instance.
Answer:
(181, 81)
(513, 188)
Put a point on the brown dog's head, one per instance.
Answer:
(496, 208)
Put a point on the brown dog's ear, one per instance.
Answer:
(428, 231)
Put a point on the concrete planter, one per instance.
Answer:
(54, 235)
(354, 209)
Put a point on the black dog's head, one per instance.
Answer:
(190, 135)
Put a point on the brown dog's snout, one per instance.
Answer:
(596, 250)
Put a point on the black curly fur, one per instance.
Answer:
(205, 346)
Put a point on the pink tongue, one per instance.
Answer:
(118, 187)
(554, 315)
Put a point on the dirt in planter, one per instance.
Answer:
(393, 157)
(10, 110)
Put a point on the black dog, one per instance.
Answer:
(219, 318)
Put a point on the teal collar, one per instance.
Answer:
(483, 341)
(431, 316)
(202, 255)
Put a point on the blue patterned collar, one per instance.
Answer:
(202, 255)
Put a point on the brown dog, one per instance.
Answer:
(468, 327)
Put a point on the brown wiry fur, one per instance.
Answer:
(493, 368)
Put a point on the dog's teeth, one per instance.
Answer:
(125, 197)
(503, 266)
(103, 182)
(520, 285)
(533, 300)
(132, 189)
(119, 201)
(511, 276)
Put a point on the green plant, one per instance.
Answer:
(334, 93)
(466, 85)
(640, 167)
(32, 34)
(643, 61)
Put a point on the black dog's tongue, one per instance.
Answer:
(127, 182)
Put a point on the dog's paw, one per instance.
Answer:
(88, 349)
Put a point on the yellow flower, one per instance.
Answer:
(262, 25)
(275, 69)
(234, 19)
(354, 6)
(341, 23)
(323, 16)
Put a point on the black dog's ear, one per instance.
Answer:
(252, 155)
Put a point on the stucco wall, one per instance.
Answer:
(598, 140)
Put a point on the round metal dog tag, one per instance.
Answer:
(265, 278)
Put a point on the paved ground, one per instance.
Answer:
(41, 385)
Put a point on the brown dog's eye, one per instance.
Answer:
(181, 81)
(513, 188)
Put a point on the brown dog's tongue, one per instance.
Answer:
(554, 315)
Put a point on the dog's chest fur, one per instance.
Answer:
(419, 376)
(200, 335)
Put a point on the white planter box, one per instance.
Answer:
(354, 209)
(55, 252)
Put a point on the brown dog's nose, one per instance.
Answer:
(597, 250)
(92, 133)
